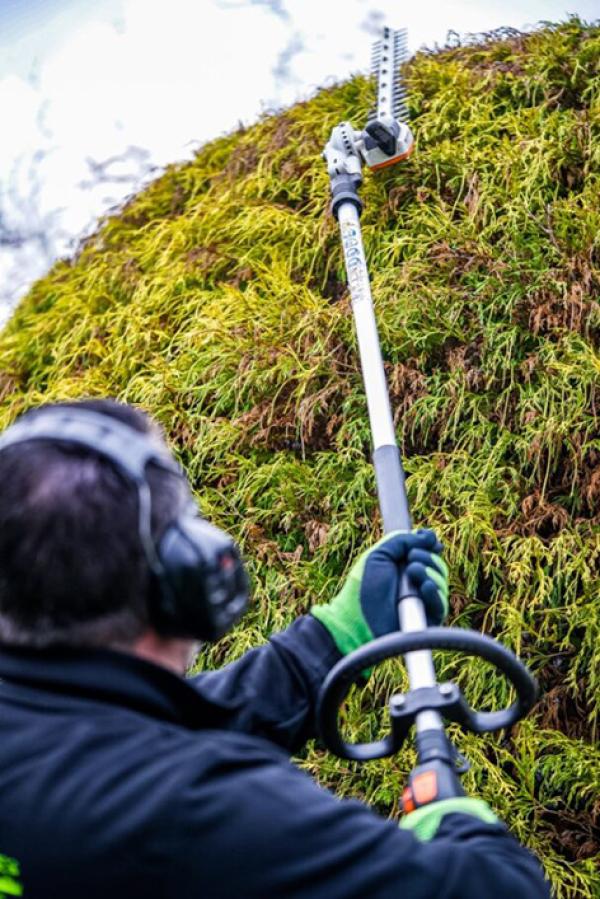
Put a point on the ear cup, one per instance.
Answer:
(201, 588)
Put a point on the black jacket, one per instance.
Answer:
(120, 779)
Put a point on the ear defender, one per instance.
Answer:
(203, 588)
(199, 585)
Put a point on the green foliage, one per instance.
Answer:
(216, 300)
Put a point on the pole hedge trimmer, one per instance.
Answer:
(387, 139)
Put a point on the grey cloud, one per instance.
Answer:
(282, 70)
(373, 22)
(276, 6)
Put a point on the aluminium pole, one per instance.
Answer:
(386, 455)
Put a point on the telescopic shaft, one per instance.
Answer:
(389, 475)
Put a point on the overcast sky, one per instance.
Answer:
(83, 80)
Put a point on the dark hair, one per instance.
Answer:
(72, 568)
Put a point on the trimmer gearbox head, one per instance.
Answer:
(387, 138)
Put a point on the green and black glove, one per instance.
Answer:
(367, 605)
(425, 821)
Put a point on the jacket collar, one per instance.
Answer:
(111, 677)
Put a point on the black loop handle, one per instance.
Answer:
(341, 677)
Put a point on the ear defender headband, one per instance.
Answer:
(199, 585)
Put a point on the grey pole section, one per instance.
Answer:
(386, 455)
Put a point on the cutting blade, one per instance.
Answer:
(388, 55)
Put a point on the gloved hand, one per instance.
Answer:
(367, 605)
(425, 821)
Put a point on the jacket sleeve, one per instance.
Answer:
(274, 832)
(272, 691)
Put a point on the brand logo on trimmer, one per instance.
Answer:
(358, 279)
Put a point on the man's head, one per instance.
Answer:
(72, 567)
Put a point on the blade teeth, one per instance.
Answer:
(387, 56)
(401, 44)
(401, 107)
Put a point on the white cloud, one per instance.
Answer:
(19, 106)
(166, 80)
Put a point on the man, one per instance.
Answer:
(118, 778)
